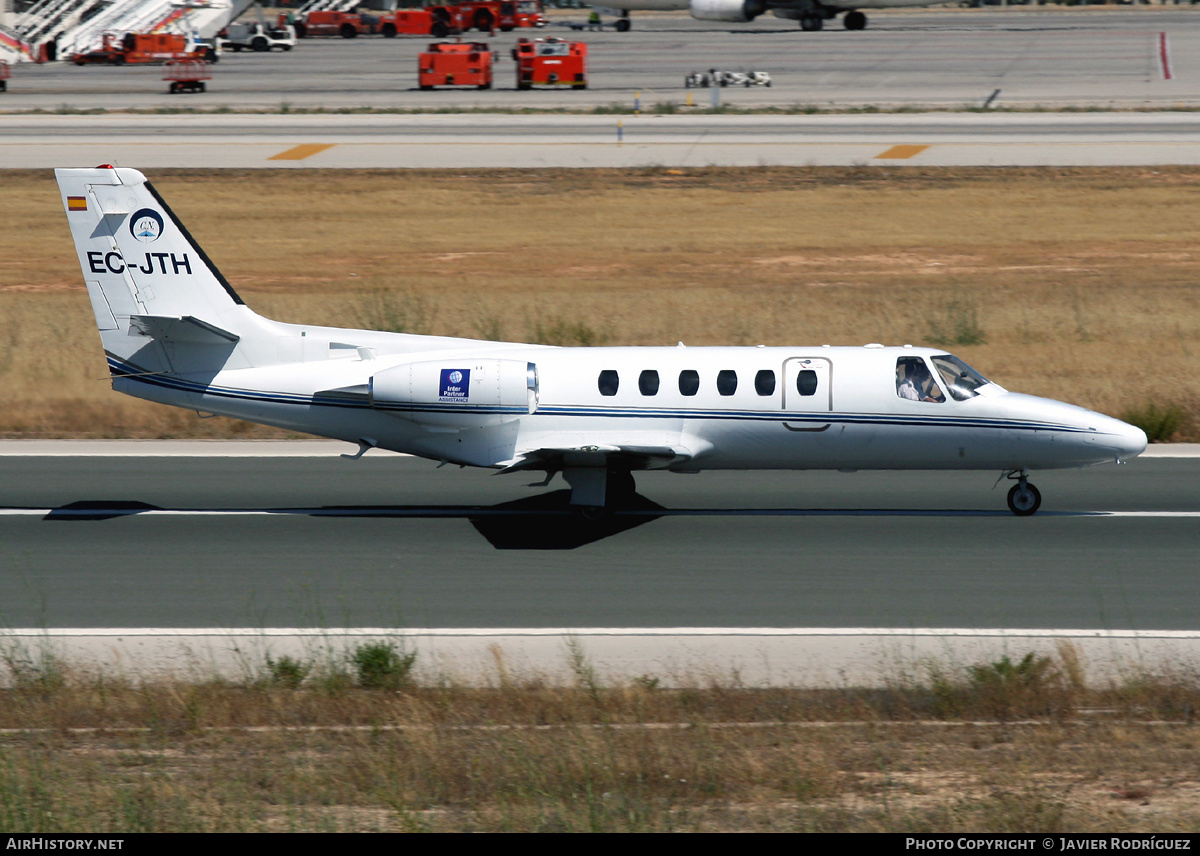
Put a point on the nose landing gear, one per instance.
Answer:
(1023, 498)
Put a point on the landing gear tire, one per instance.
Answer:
(1024, 499)
(621, 25)
(854, 21)
(591, 513)
(620, 487)
(811, 23)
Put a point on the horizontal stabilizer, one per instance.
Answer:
(182, 330)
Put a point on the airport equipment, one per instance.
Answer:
(143, 48)
(187, 75)
(410, 22)
(455, 64)
(348, 25)
(79, 26)
(256, 36)
(488, 15)
(5, 75)
(175, 331)
(713, 77)
(551, 62)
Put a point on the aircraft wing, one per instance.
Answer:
(635, 457)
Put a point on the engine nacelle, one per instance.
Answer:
(457, 392)
(735, 11)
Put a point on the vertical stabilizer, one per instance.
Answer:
(140, 263)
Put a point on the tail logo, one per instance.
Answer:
(146, 225)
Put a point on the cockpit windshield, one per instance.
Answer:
(961, 380)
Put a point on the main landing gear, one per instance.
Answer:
(1023, 498)
(596, 490)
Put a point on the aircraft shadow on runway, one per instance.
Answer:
(542, 522)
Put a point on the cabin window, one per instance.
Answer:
(915, 383)
(962, 380)
(764, 382)
(689, 382)
(806, 382)
(608, 382)
(727, 382)
(648, 382)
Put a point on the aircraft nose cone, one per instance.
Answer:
(1133, 441)
(1126, 441)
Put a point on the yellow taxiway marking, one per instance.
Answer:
(901, 152)
(301, 152)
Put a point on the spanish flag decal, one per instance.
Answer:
(77, 203)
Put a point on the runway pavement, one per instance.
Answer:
(197, 556)
(216, 541)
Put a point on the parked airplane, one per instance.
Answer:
(812, 14)
(176, 332)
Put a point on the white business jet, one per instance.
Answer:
(175, 332)
(812, 14)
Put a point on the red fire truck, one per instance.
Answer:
(455, 64)
(551, 62)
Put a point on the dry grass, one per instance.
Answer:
(1077, 284)
(960, 750)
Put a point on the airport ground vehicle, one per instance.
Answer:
(503, 15)
(348, 25)
(140, 48)
(187, 75)
(713, 77)
(175, 331)
(410, 22)
(455, 64)
(256, 36)
(550, 62)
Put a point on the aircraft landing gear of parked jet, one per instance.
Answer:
(622, 24)
(811, 21)
(1023, 499)
(854, 21)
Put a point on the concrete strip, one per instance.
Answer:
(808, 657)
